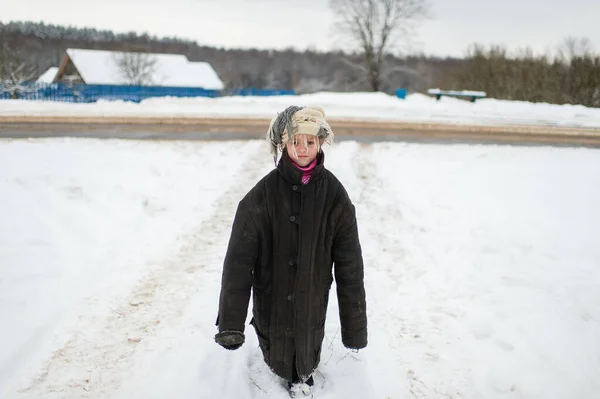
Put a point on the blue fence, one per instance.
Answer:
(91, 93)
(258, 92)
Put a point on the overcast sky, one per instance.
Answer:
(540, 24)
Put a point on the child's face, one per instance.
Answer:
(303, 149)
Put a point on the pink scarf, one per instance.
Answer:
(307, 171)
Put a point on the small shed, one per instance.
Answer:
(101, 67)
(48, 76)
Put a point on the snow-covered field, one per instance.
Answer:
(482, 271)
(416, 108)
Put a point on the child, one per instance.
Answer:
(288, 232)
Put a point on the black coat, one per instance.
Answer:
(284, 241)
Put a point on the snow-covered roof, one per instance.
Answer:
(100, 67)
(192, 71)
(48, 76)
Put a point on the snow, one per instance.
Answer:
(416, 108)
(196, 71)
(48, 76)
(482, 271)
(100, 67)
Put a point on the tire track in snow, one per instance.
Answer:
(395, 262)
(399, 352)
(100, 355)
(383, 255)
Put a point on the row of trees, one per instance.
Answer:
(59, 32)
(571, 75)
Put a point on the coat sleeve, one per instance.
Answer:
(238, 267)
(349, 277)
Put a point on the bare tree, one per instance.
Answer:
(14, 73)
(377, 27)
(137, 69)
(572, 47)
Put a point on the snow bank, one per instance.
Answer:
(355, 106)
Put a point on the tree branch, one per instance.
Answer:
(375, 25)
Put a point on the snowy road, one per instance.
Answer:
(482, 271)
(135, 132)
(365, 132)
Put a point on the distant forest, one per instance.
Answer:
(43, 46)
(572, 76)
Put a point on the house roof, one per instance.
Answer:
(48, 76)
(100, 67)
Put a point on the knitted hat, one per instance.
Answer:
(296, 120)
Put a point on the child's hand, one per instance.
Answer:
(230, 340)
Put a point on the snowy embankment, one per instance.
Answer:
(416, 108)
(482, 271)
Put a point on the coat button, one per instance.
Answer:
(293, 218)
(291, 262)
(295, 187)
(289, 298)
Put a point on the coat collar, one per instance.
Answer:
(293, 175)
